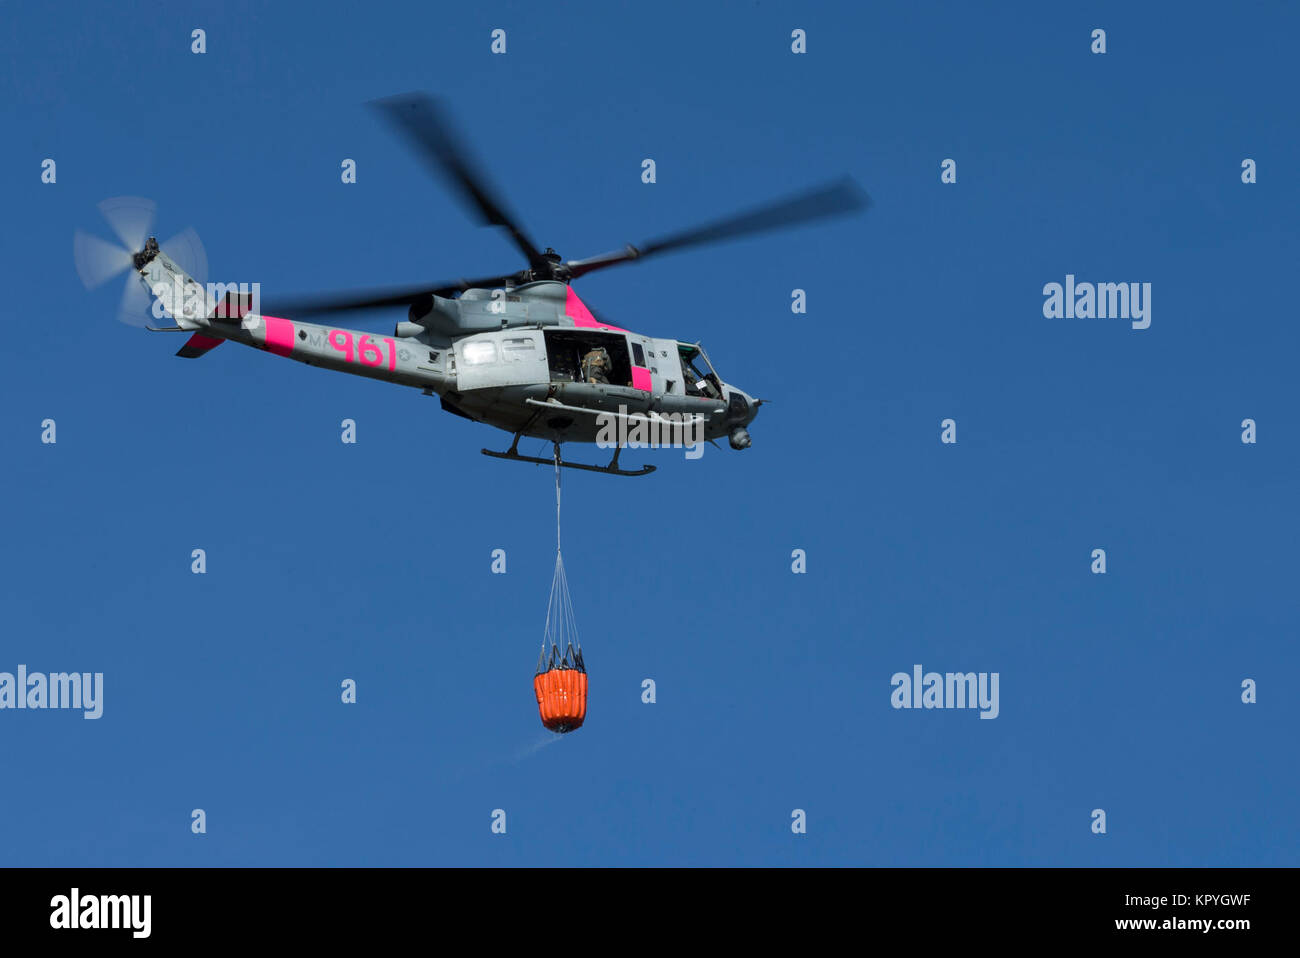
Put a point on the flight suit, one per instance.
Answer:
(596, 366)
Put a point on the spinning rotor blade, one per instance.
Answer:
(421, 120)
(374, 298)
(131, 218)
(186, 251)
(97, 259)
(835, 199)
(136, 305)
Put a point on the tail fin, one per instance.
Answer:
(182, 297)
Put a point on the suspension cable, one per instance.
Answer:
(561, 635)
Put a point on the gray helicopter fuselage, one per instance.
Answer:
(529, 351)
(510, 358)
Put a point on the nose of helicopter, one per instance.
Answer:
(741, 410)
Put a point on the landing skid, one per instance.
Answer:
(612, 469)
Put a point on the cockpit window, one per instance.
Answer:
(700, 378)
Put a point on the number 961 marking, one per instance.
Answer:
(363, 350)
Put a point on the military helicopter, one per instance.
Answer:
(519, 351)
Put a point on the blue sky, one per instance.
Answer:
(372, 561)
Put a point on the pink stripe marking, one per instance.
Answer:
(279, 335)
(577, 311)
(640, 378)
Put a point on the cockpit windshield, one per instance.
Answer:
(701, 380)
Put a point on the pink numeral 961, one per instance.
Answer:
(363, 350)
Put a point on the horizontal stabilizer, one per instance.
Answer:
(197, 345)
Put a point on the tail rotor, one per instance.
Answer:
(98, 260)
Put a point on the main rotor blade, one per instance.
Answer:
(835, 199)
(419, 117)
(376, 298)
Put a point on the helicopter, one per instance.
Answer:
(519, 351)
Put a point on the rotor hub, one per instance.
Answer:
(146, 255)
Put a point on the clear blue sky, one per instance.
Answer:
(372, 561)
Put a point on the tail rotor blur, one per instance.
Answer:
(98, 260)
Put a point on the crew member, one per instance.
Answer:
(596, 366)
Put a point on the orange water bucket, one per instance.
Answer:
(561, 698)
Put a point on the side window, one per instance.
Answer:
(518, 350)
(638, 354)
(480, 353)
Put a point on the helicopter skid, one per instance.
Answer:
(612, 469)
